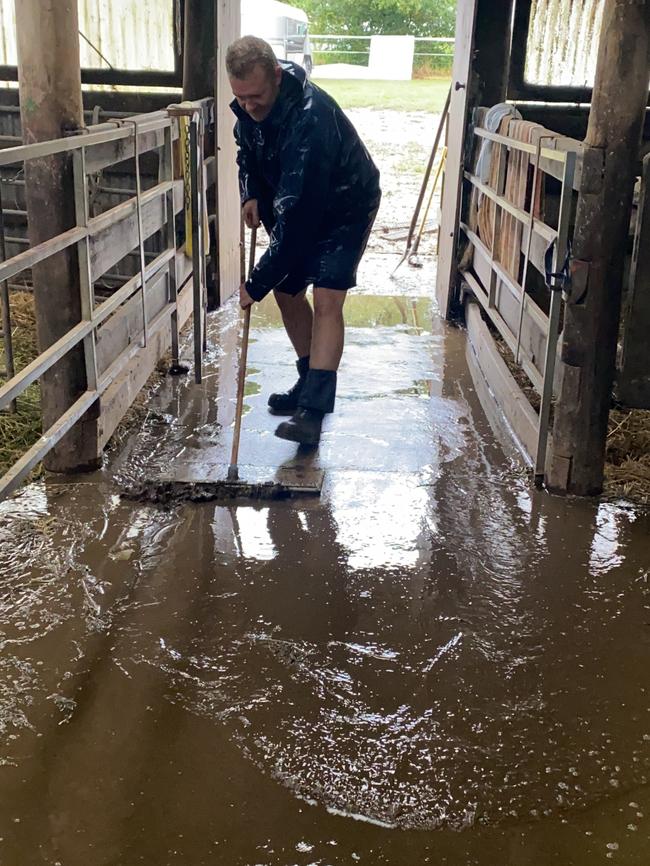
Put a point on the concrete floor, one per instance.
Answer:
(433, 663)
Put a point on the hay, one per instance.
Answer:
(627, 470)
(19, 431)
(627, 466)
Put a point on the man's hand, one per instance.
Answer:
(245, 299)
(251, 214)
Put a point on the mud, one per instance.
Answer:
(174, 492)
(431, 663)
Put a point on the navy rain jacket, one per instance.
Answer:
(309, 171)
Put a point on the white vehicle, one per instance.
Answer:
(283, 26)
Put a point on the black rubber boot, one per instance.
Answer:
(304, 427)
(317, 398)
(287, 403)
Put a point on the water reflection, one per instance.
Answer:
(244, 532)
(606, 552)
(432, 645)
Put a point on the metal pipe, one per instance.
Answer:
(86, 291)
(138, 205)
(197, 268)
(560, 255)
(7, 336)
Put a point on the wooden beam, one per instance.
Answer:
(228, 23)
(109, 245)
(101, 156)
(51, 107)
(456, 131)
(199, 77)
(492, 45)
(124, 326)
(602, 223)
(502, 389)
(199, 49)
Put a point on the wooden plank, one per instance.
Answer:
(506, 304)
(502, 389)
(504, 329)
(228, 206)
(451, 198)
(545, 232)
(127, 318)
(119, 396)
(100, 156)
(111, 244)
(124, 327)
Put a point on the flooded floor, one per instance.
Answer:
(433, 663)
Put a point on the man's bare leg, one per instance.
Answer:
(318, 393)
(298, 319)
(328, 329)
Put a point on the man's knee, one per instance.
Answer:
(328, 302)
(288, 303)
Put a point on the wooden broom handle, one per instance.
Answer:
(241, 381)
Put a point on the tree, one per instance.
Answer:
(394, 17)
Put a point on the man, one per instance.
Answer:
(307, 177)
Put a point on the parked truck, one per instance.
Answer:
(285, 28)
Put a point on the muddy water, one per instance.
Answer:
(432, 664)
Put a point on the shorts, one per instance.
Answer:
(334, 259)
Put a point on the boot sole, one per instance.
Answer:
(285, 413)
(290, 436)
(282, 413)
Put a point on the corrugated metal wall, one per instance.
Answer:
(131, 34)
(7, 33)
(563, 42)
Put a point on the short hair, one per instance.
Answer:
(248, 52)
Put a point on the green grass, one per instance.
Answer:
(417, 95)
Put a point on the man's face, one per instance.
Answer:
(257, 93)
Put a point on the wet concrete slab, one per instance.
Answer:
(432, 663)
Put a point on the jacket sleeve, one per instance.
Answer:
(248, 181)
(305, 172)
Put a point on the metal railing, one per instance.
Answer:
(331, 45)
(538, 238)
(104, 240)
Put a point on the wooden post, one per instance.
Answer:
(602, 223)
(51, 107)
